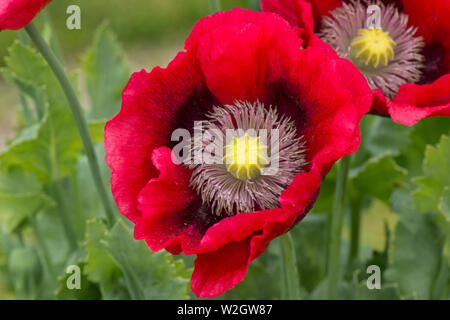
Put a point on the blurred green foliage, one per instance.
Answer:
(133, 21)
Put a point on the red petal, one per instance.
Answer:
(220, 270)
(241, 76)
(149, 105)
(415, 102)
(430, 17)
(162, 202)
(16, 14)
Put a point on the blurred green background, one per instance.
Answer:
(136, 22)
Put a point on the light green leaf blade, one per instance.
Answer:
(444, 205)
(385, 135)
(436, 176)
(416, 250)
(21, 196)
(107, 72)
(49, 149)
(100, 267)
(155, 275)
(378, 178)
(26, 67)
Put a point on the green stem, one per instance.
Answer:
(439, 289)
(355, 231)
(26, 111)
(254, 5)
(20, 238)
(214, 6)
(290, 281)
(334, 244)
(77, 112)
(58, 195)
(45, 253)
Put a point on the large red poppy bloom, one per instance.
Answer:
(16, 14)
(235, 56)
(429, 96)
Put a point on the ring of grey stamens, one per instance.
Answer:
(342, 27)
(227, 195)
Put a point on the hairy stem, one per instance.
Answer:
(77, 112)
(290, 281)
(334, 244)
(214, 6)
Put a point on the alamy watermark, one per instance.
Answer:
(73, 21)
(373, 17)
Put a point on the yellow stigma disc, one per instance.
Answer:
(245, 157)
(371, 47)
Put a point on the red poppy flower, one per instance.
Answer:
(240, 69)
(16, 14)
(414, 82)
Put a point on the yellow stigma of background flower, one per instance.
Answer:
(245, 157)
(372, 47)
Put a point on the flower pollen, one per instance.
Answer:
(371, 47)
(244, 157)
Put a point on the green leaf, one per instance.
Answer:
(378, 178)
(28, 69)
(153, 275)
(85, 202)
(21, 196)
(26, 271)
(426, 132)
(255, 285)
(416, 249)
(107, 73)
(101, 268)
(50, 147)
(386, 136)
(444, 205)
(435, 180)
(310, 241)
(97, 129)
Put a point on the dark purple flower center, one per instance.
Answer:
(240, 176)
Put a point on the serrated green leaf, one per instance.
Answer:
(435, 178)
(26, 67)
(107, 73)
(154, 275)
(416, 250)
(21, 196)
(100, 267)
(49, 149)
(426, 132)
(378, 178)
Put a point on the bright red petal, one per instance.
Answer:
(150, 102)
(16, 14)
